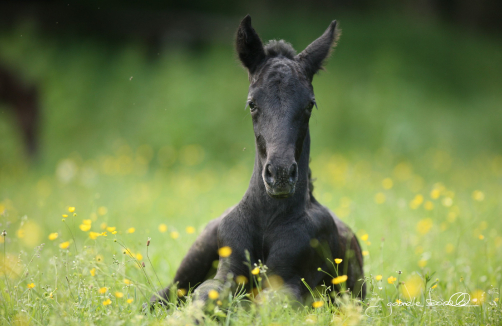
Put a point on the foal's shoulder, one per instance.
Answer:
(321, 216)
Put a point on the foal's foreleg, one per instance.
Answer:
(196, 264)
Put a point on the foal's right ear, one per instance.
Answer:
(249, 46)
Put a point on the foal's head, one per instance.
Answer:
(281, 99)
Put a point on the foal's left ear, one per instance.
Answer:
(312, 58)
(249, 45)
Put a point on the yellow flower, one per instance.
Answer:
(94, 235)
(20, 233)
(478, 297)
(65, 215)
(339, 279)
(255, 271)
(364, 237)
(130, 300)
(378, 277)
(87, 222)
(413, 287)
(99, 258)
(365, 252)
(93, 272)
(417, 201)
(225, 251)
(107, 302)
(429, 205)
(127, 282)
(481, 237)
(317, 304)
(111, 228)
(114, 232)
(71, 209)
(190, 229)
(85, 227)
(103, 234)
(31, 285)
(387, 183)
(213, 295)
(162, 228)
(380, 198)
(53, 236)
(103, 290)
(447, 201)
(131, 230)
(478, 195)
(391, 279)
(398, 301)
(241, 279)
(119, 294)
(424, 226)
(181, 292)
(435, 193)
(338, 260)
(64, 245)
(103, 226)
(175, 235)
(102, 210)
(139, 256)
(422, 263)
(434, 286)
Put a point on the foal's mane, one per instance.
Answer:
(275, 48)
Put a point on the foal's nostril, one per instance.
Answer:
(293, 172)
(269, 176)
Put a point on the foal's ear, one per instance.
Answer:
(312, 58)
(249, 46)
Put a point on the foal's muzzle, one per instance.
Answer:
(280, 180)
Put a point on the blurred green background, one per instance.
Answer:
(399, 80)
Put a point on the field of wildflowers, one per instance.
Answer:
(123, 189)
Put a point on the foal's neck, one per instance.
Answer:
(257, 198)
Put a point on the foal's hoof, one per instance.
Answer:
(160, 298)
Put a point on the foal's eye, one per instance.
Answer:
(310, 106)
(252, 106)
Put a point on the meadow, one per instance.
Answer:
(140, 153)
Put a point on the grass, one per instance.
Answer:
(401, 156)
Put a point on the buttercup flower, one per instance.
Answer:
(64, 245)
(213, 295)
(339, 279)
(53, 236)
(317, 304)
(225, 251)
